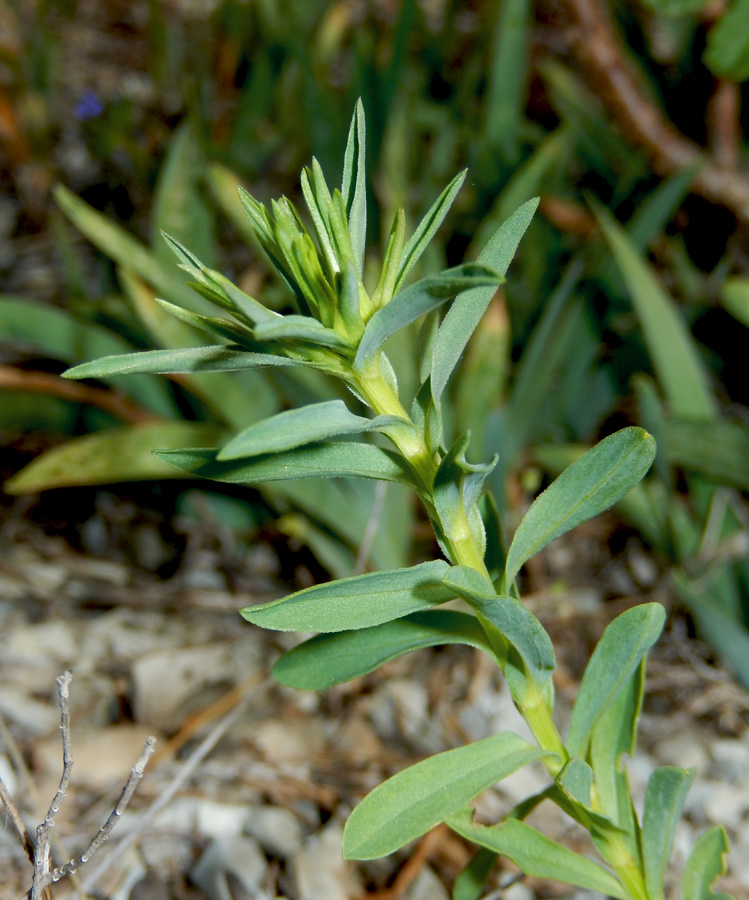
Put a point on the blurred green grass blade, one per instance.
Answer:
(330, 659)
(722, 631)
(224, 186)
(179, 206)
(727, 53)
(110, 457)
(56, 334)
(660, 206)
(469, 884)
(525, 184)
(718, 450)
(508, 75)
(127, 251)
(735, 296)
(675, 357)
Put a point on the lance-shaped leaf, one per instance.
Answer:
(614, 735)
(296, 427)
(219, 289)
(517, 624)
(224, 329)
(412, 802)
(590, 485)
(110, 457)
(183, 361)
(358, 602)
(342, 460)
(301, 328)
(329, 659)
(317, 204)
(537, 855)
(354, 187)
(705, 864)
(620, 651)
(428, 228)
(417, 300)
(466, 313)
(664, 799)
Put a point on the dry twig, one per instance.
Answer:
(639, 118)
(39, 853)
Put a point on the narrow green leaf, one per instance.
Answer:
(356, 200)
(505, 106)
(214, 326)
(330, 659)
(415, 800)
(318, 220)
(515, 622)
(417, 300)
(614, 735)
(620, 651)
(386, 283)
(296, 427)
(124, 249)
(339, 460)
(705, 864)
(537, 855)
(110, 457)
(677, 363)
(300, 328)
(718, 450)
(470, 882)
(183, 361)
(427, 228)
(358, 602)
(664, 799)
(735, 296)
(178, 204)
(590, 485)
(465, 314)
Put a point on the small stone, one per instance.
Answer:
(169, 684)
(40, 644)
(518, 891)
(727, 804)
(277, 830)
(219, 820)
(228, 858)
(683, 748)
(426, 886)
(290, 741)
(358, 741)
(319, 869)
(730, 759)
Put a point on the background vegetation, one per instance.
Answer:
(628, 302)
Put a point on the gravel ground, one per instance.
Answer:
(251, 783)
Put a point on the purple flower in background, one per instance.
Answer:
(88, 107)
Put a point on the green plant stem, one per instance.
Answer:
(462, 547)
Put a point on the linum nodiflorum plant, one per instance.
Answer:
(340, 328)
